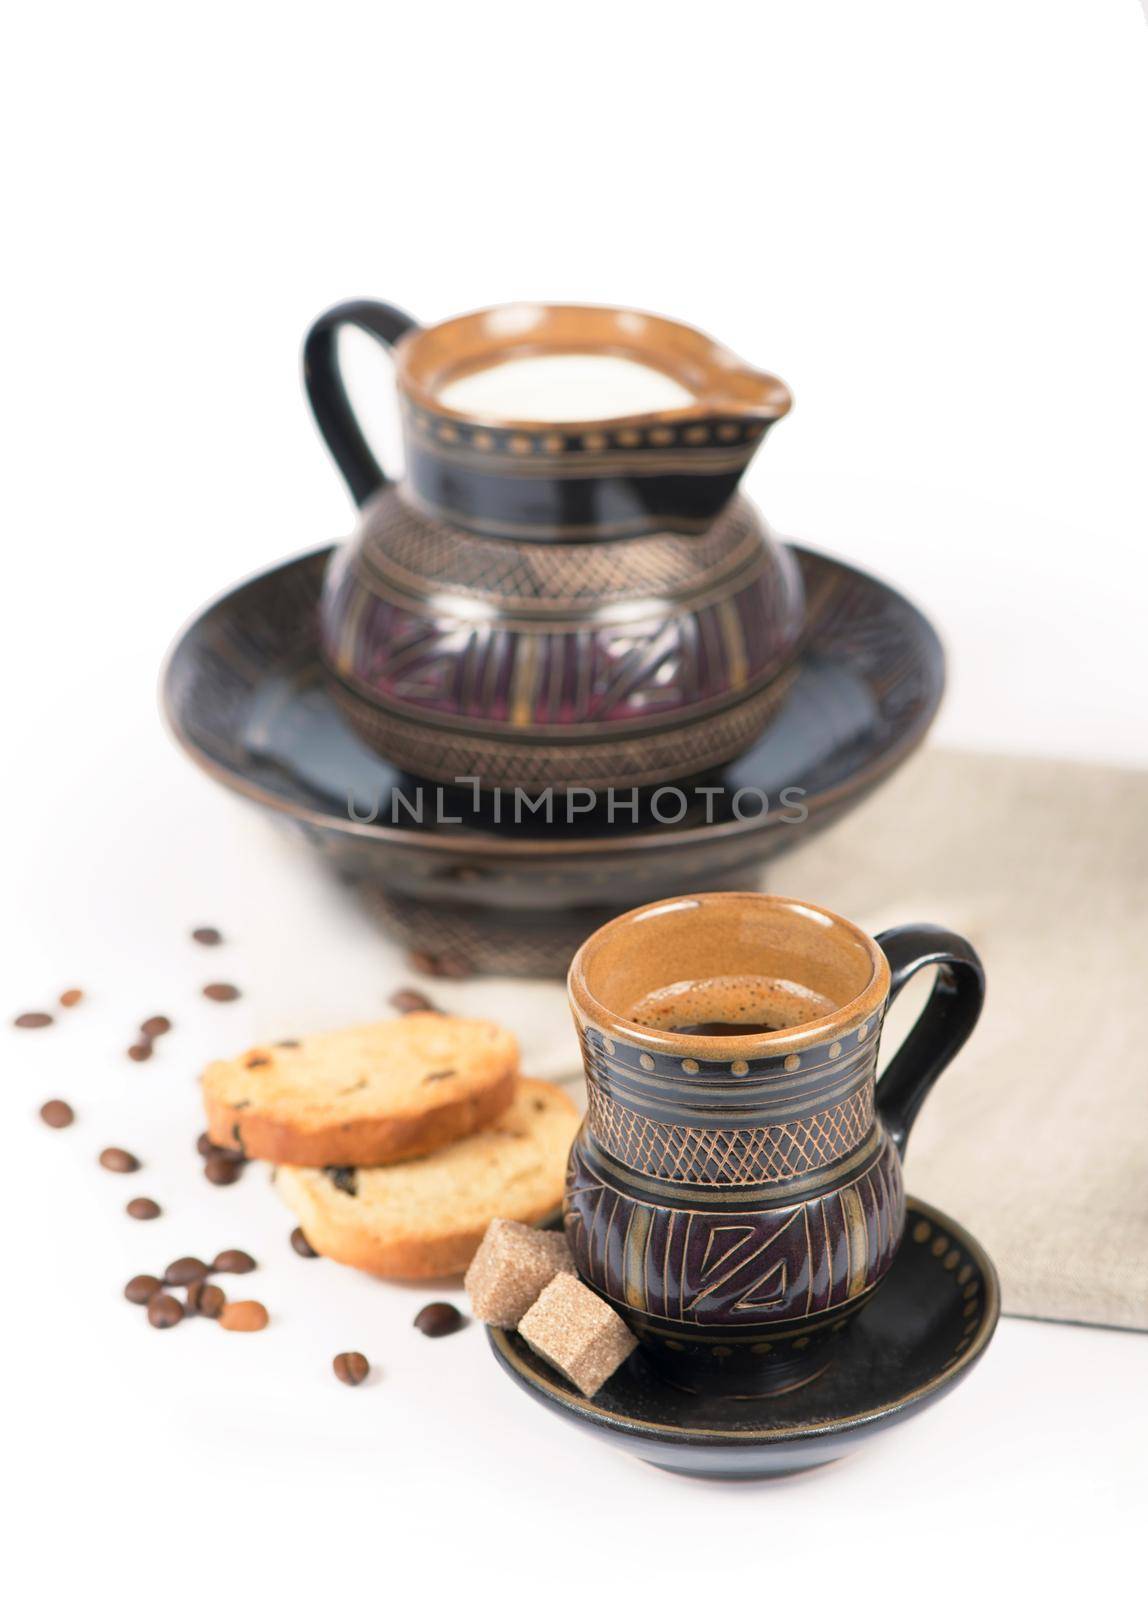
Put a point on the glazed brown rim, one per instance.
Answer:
(619, 1422)
(473, 844)
(678, 350)
(716, 1047)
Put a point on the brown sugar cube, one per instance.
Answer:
(512, 1266)
(576, 1332)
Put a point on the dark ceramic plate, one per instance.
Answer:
(921, 1334)
(245, 696)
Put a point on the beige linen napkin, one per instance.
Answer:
(1036, 1137)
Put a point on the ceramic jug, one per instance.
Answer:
(737, 1194)
(565, 588)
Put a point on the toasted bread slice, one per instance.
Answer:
(426, 1218)
(363, 1096)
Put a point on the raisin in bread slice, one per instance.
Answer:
(363, 1096)
(426, 1218)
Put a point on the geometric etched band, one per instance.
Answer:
(722, 1156)
(734, 1269)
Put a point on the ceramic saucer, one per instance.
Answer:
(246, 697)
(920, 1335)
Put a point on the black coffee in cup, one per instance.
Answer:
(733, 1004)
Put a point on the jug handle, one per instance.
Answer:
(327, 393)
(949, 1017)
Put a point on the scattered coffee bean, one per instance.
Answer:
(187, 1269)
(439, 965)
(205, 1299)
(140, 1289)
(207, 936)
(143, 1209)
(140, 1051)
(439, 1318)
(244, 1316)
(155, 1027)
(408, 1000)
(302, 1245)
(233, 1261)
(57, 1114)
(286, 1044)
(220, 991)
(32, 1019)
(164, 1311)
(205, 1147)
(71, 997)
(351, 1367)
(116, 1160)
(222, 1168)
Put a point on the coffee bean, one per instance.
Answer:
(351, 1367)
(32, 1019)
(205, 1299)
(187, 1269)
(57, 1114)
(140, 1051)
(207, 936)
(71, 997)
(140, 1289)
(244, 1316)
(164, 1311)
(116, 1160)
(154, 1027)
(143, 1210)
(220, 991)
(222, 1168)
(205, 1147)
(233, 1261)
(439, 1318)
(408, 1000)
(302, 1245)
(436, 965)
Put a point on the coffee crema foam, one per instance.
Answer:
(733, 1003)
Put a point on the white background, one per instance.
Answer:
(929, 220)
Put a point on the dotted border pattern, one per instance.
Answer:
(618, 1053)
(724, 434)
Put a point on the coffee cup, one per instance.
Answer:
(735, 1189)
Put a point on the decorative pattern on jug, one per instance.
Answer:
(531, 663)
(568, 480)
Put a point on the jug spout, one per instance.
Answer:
(738, 391)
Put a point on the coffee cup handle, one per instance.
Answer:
(327, 392)
(949, 1017)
